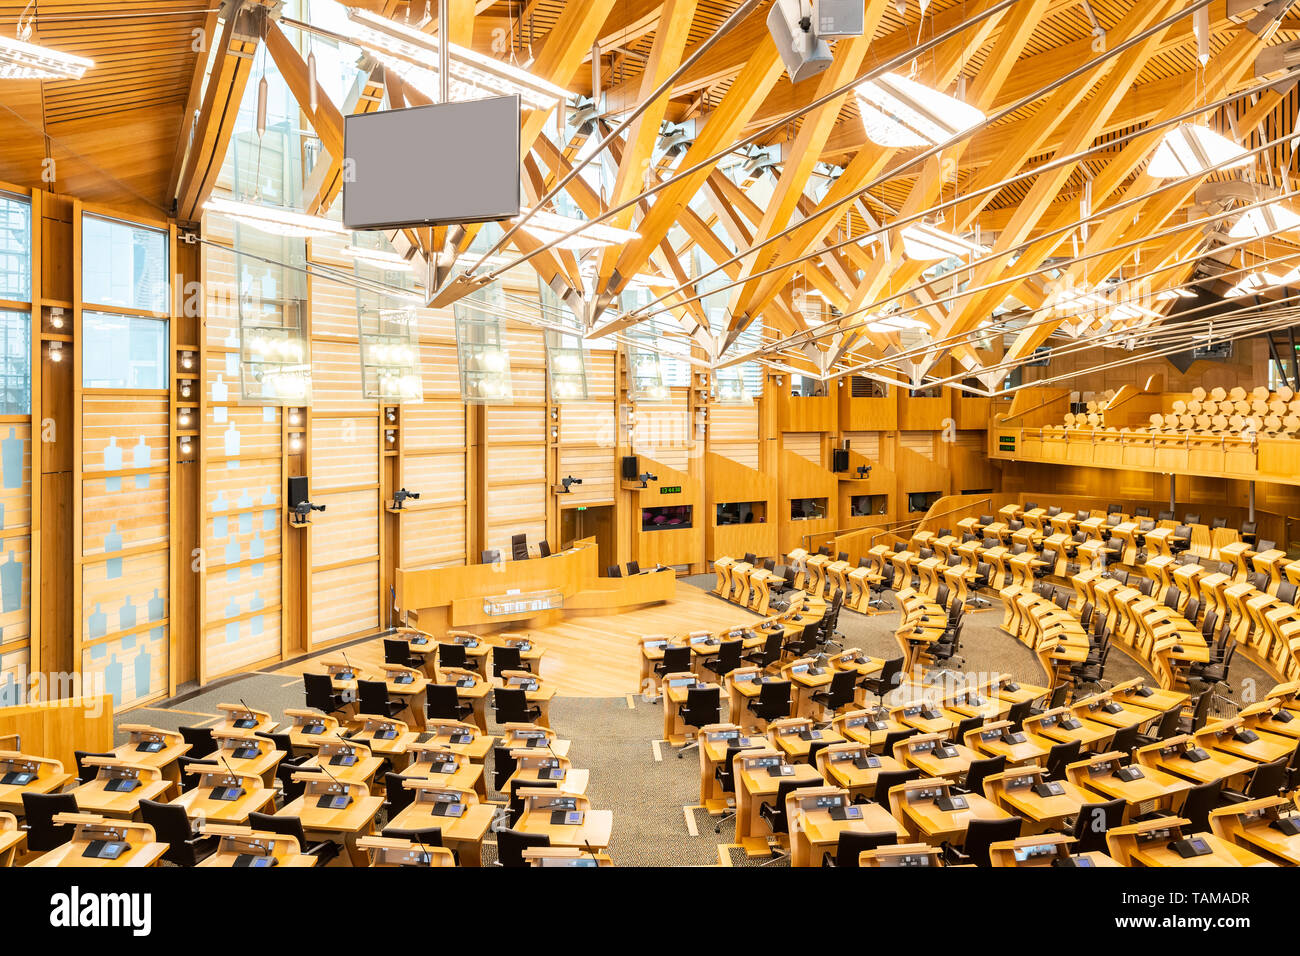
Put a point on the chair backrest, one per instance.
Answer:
(1060, 757)
(39, 810)
(372, 696)
(503, 765)
(1093, 822)
(1267, 780)
(982, 834)
(453, 655)
(320, 692)
(490, 556)
(511, 704)
(769, 564)
(853, 843)
(980, 769)
(199, 739)
(397, 651)
(425, 836)
(728, 657)
(396, 797)
(888, 779)
(1125, 739)
(506, 657)
(516, 805)
(1019, 711)
(703, 706)
(1201, 712)
(677, 658)
(1200, 800)
(633, 568)
(966, 725)
(519, 547)
(1142, 512)
(614, 571)
(844, 684)
(544, 549)
(281, 824)
(1219, 523)
(85, 772)
(895, 737)
(891, 672)
(1191, 518)
(512, 843)
(1165, 516)
(750, 558)
(1286, 592)
(170, 826)
(1168, 725)
(442, 702)
(774, 699)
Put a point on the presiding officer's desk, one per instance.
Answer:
(817, 816)
(100, 842)
(12, 839)
(511, 593)
(1047, 849)
(334, 810)
(1152, 843)
(26, 773)
(1269, 827)
(565, 819)
(853, 767)
(387, 852)
(462, 817)
(758, 775)
(240, 846)
(223, 796)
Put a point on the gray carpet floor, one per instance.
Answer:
(614, 737)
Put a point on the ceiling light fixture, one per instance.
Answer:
(1189, 149)
(922, 242)
(1262, 221)
(276, 220)
(380, 258)
(20, 60)
(549, 227)
(1253, 284)
(903, 114)
(473, 75)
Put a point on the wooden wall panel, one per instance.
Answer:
(345, 602)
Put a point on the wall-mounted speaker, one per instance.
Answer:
(631, 468)
(298, 492)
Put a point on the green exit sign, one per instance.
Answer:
(670, 489)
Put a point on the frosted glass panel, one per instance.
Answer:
(123, 351)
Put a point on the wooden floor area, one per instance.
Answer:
(596, 655)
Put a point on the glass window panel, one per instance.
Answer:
(123, 351)
(123, 265)
(15, 248)
(15, 363)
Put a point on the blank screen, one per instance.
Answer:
(429, 165)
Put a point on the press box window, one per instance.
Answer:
(666, 518)
(804, 509)
(123, 351)
(918, 501)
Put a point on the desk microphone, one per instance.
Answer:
(348, 662)
(230, 770)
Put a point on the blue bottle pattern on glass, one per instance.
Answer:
(96, 624)
(112, 462)
(113, 680)
(112, 542)
(126, 615)
(141, 457)
(11, 460)
(143, 665)
(268, 516)
(11, 584)
(256, 625)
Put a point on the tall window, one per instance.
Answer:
(15, 363)
(125, 289)
(15, 248)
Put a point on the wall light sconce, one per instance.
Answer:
(186, 389)
(187, 360)
(295, 442)
(390, 436)
(56, 351)
(56, 318)
(555, 433)
(186, 445)
(779, 381)
(392, 415)
(295, 417)
(183, 418)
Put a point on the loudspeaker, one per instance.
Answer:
(298, 492)
(803, 54)
(839, 459)
(631, 468)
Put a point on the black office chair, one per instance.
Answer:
(889, 677)
(172, 826)
(424, 837)
(980, 770)
(543, 549)
(519, 547)
(750, 558)
(614, 571)
(676, 660)
(453, 655)
(191, 780)
(284, 825)
(895, 737)
(491, 556)
(397, 651)
(1218, 523)
(39, 811)
(1141, 512)
(774, 813)
(853, 843)
(199, 739)
(772, 702)
(888, 779)
(980, 836)
(321, 694)
(1198, 803)
(1018, 712)
(511, 706)
(442, 702)
(1165, 728)
(703, 707)
(507, 657)
(768, 654)
(878, 588)
(515, 806)
(1249, 531)
(965, 726)
(1125, 739)
(85, 772)
(503, 767)
(633, 568)
(1061, 756)
(512, 843)
(1216, 673)
(1267, 780)
(1057, 699)
(1200, 713)
(769, 564)
(372, 698)
(1094, 821)
(726, 660)
(726, 779)
(840, 693)
(290, 789)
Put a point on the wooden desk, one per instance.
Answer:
(591, 830)
(794, 737)
(142, 848)
(1049, 849)
(538, 693)
(153, 747)
(463, 829)
(755, 785)
(97, 796)
(1014, 790)
(922, 751)
(814, 830)
(344, 824)
(348, 760)
(855, 768)
(1221, 735)
(714, 741)
(203, 802)
(446, 769)
(1154, 790)
(1251, 825)
(564, 856)
(309, 728)
(12, 839)
(458, 737)
(472, 688)
(387, 852)
(675, 690)
(999, 739)
(914, 805)
(240, 846)
(244, 752)
(41, 775)
(1171, 756)
(241, 717)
